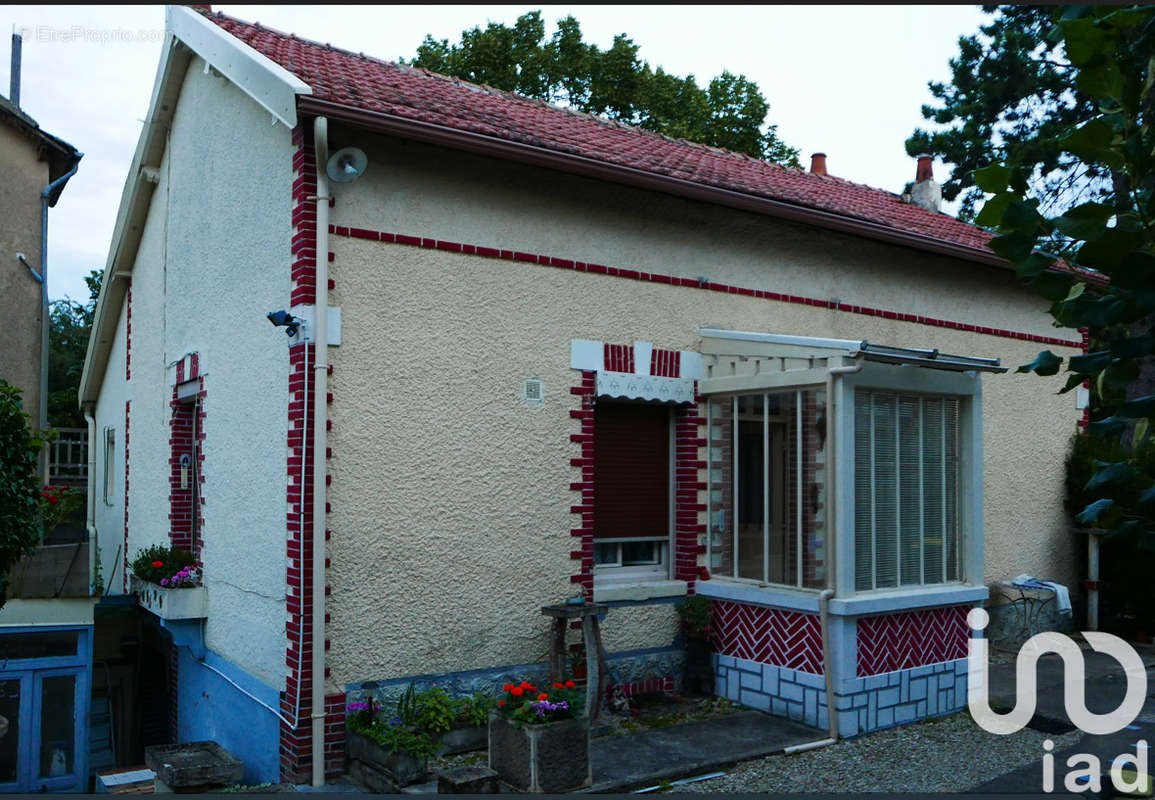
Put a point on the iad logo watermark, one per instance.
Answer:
(1074, 700)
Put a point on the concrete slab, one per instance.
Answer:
(642, 759)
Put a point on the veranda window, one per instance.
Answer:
(906, 478)
(768, 487)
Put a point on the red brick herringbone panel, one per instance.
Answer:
(769, 636)
(912, 639)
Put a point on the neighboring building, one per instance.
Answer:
(565, 357)
(46, 623)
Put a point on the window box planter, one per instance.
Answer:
(182, 603)
(463, 738)
(380, 771)
(541, 758)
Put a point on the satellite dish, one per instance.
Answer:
(346, 164)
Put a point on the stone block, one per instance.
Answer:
(847, 724)
(917, 689)
(905, 713)
(756, 699)
(810, 679)
(843, 702)
(810, 708)
(796, 711)
(885, 717)
(919, 672)
(468, 780)
(778, 707)
(790, 691)
(770, 679)
(875, 682)
(720, 686)
(751, 681)
(888, 697)
(860, 700)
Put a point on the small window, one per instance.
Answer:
(632, 480)
(109, 465)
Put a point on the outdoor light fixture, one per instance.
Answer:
(283, 319)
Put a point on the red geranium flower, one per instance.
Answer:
(543, 696)
(53, 500)
(158, 564)
(527, 685)
(570, 684)
(501, 702)
(517, 691)
(557, 685)
(44, 495)
(507, 687)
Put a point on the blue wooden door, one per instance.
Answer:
(44, 711)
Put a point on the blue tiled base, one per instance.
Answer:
(630, 667)
(796, 695)
(882, 701)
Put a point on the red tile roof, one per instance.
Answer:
(366, 83)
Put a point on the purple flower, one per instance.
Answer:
(164, 581)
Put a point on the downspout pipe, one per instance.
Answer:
(832, 375)
(320, 411)
(90, 517)
(45, 322)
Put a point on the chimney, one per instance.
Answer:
(818, 164)
(924, 192)
(14, 90)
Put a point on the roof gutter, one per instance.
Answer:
(592, 168)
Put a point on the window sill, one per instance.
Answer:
(755, 594)
(638, 590)
(907, 599)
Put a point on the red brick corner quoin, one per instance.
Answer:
(296, 701)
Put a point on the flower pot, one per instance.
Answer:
(541, 758)
(184, 603)
(463, 738)
(376, 767)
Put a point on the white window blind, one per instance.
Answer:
(905, 489)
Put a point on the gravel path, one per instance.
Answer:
(949, 754)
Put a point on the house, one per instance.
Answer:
(562, 357)
(46, 622)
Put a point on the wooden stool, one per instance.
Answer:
(588, 613)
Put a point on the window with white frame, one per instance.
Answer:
(109, 476)
(632, 489)
(767, 487)
(906, 483)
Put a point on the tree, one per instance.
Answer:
(1014, 93)
(20, 516)
(1111, 291)
(70, 324)
(730, 112)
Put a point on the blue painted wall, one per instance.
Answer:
(210, 708)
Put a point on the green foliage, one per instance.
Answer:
(474, 709)
(20, 446)
(526, 704)
(730, 112)
(69, 327)
(1112, 293)
(171, 560)
(434, 710)
(697, 615)
(56, 504)
(1016, 89)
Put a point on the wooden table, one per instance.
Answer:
(588, 613)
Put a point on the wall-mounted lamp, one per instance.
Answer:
(283, 319)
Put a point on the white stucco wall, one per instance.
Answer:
(450, 497)
(109, 517)
(213, 261)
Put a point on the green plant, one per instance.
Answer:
(56, 504)
(474, 709)
(434, 710)
(697, 615)
(20, 446)
(159, 564)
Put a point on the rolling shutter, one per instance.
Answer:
(631, 471)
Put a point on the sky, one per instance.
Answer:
(845, 80)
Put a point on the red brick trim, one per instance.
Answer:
(911, 639)
(296, 700)
(650, 686)
(128, 334)
(775, 636)
(124, 569)
(187, 418)
(688, 439)
(687, 283)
